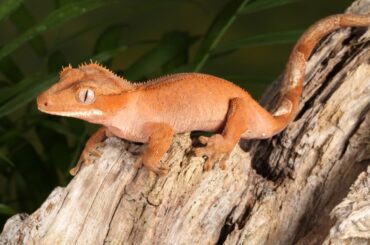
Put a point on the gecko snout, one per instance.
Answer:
(42, 102)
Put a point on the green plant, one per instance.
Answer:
(37, 150)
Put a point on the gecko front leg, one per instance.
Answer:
(219, 146)
(91, 146)
(160, 137)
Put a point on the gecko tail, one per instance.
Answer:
(295, 69)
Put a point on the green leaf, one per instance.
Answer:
(219, 26)
(6, 160)
(171, 45)
(13, 90)
(7, 7)
(10, 134)
(54, 19)
(7, 210)
(23, 20)
(10, 69)
(59, 3)
(265, 39)
(258, 5)
(26, 96)
(65, 40)
(178, 61)
(109, 39)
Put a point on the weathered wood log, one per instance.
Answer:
(353, 215)
(277, 191)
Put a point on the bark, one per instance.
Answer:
(290, 189)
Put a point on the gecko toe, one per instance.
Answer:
(208, 165)
(87, 161)
(213, 159)
(159, 170)
(222, 163)
(96, 153)
(73, 171)
(203, 139)
(162, 171)
(153, 167)
(200, 151)
(138, 163)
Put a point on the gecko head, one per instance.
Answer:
(89, 92)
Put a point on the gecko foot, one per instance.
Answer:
(85, 158)
(217, 149)
(159, 170)
(156, 168)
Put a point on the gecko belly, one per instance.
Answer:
(131, 135)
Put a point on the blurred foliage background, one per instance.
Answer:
(247, 42)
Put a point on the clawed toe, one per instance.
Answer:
(93, 151)
(83, 161)
(139, 162)
(203, 139)
(85, 158)
(208, 165)
(222, 163)
(213, 159)
(98, 145)
(200, 151)
(159, 170)
(96, 153)
(73, 171)
(217, 150)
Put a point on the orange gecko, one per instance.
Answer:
(152, 112)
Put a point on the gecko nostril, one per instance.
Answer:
(45, 103)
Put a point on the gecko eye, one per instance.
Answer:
(86, 95)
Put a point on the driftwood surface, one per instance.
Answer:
(292, 189)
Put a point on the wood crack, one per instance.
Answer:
(94, 198)
(357, 125)
(113, 215)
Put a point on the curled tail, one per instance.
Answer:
(295, 69)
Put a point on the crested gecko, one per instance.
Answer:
(152, 112)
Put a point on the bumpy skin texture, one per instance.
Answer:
(154, 111)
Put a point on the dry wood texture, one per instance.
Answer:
(280, 191)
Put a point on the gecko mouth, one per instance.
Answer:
(79, 114)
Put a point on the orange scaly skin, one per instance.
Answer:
(154, 111)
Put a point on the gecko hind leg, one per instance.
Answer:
(219, 146)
